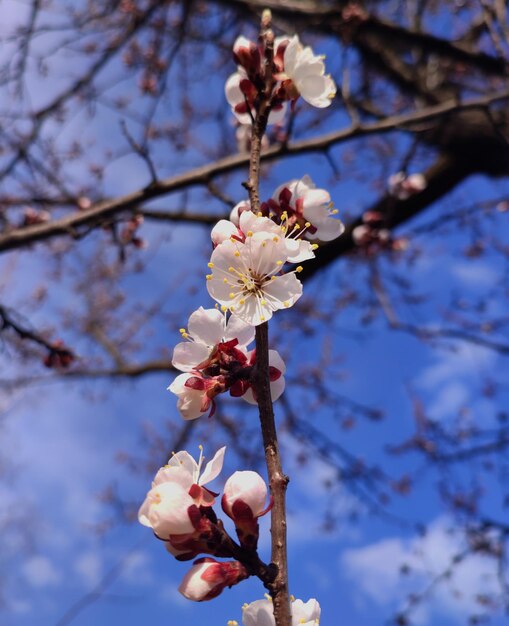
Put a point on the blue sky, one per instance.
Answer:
(63, 440)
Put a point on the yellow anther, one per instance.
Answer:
(200, 447)
(292, 598)
(264, 243)
(231, 269)
(249, 233)
(185, 335)
(262, 319)
(224, 308)
(335, 211)
(232, 295)
(259, 214)
(299, 269)
(314, 246)
(242, 302)
(276, 239)
(225, 280)
(211, 265)
(286, 304)
(296, 227)
(279, 263)
(272, 278)
(236, 253)
(208, 276)
(244, 606)
(307, 224)
(232, 309)
(263, 302)
(182, 330)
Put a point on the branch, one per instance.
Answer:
(101, 212)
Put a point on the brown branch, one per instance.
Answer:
(96, 215)
(278, 482)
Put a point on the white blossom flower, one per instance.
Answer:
(303, 203)
(261, 613)
(246, 277)
(307, 74)
(241, 94)
(238, 209)
(194, 395)
(175, 488)
(206, 329)
(165, 510)
(207, 578)
(247, 488)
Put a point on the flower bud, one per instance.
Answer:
(244, 489)
(207, 579)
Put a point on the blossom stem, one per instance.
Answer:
(278, 587)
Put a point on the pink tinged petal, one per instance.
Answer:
(284, 291)
(249, 396)
(314, 197)
(304, 70)
(143, 513)
(174, 474)
(238, 329)
(207, 326)
(213, 467)
(328, 229)
(235, 97)
(194, 586)
(223, 230)
(251, 222)
(185, 462)
(238, 209)
(168, 510)
(187, 355)
(277, 116)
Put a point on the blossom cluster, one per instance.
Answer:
(249, 283)
(261, 613)
(179, 510)
(296, 71)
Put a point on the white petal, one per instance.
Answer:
(249, 397)
(284, 289)
(328, 229)
(276, 388)
(238, 329)
(213, 467)
(174, 473)
(252, 311)
(223, 230)
(258, 613)
(299, 250)
(185, 461)
(276, 361)
(207, 326)
(187, 355)
(291, 54)
(305, 612)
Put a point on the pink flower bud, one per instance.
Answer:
(207, 578)
(245, 489)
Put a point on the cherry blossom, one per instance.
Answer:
(207, 578)
(195, 394)
(298, 250)
(299, 202)
(261, 613)
(207, 328)
(241, 95)
(176, 487)
(304, 75)
(246, 277)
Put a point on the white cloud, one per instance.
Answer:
(376, 572)
(39, 571)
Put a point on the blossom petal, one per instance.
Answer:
(187, 355)
(207, 326)
(213, 467)
(238, 329)
(284, 291)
